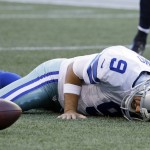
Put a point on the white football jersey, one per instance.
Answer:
(108, 77)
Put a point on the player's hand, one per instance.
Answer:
(71, 115)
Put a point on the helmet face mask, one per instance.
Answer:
(142, 90)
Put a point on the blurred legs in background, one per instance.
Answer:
(140, 39)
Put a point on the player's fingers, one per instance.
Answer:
(64, 116)
(61, 116)
(74, 116)
(71, 116)
(68, 117)
(82, 117)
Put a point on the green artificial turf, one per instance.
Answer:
(40, 26)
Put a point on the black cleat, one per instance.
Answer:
(139, 42)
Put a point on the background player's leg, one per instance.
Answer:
(140, 39)
(7, 78)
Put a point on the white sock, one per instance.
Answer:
(143, 30)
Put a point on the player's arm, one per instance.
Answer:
(72, 89)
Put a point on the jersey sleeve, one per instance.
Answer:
(78, 66)
(81, 67)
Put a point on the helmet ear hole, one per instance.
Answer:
(145, 103)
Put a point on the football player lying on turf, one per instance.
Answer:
(7, 78)
(113, 82)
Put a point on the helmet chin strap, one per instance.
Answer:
(145, 114)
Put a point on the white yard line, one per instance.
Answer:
(56, 48)
(67, 16)
(116, 4)
(53, 48)
(11, 7)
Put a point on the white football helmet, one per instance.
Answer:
(142, 90)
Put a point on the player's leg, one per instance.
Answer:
(140, 39)
(7, 78)
(36, 90)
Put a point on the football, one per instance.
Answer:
(9, 113)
